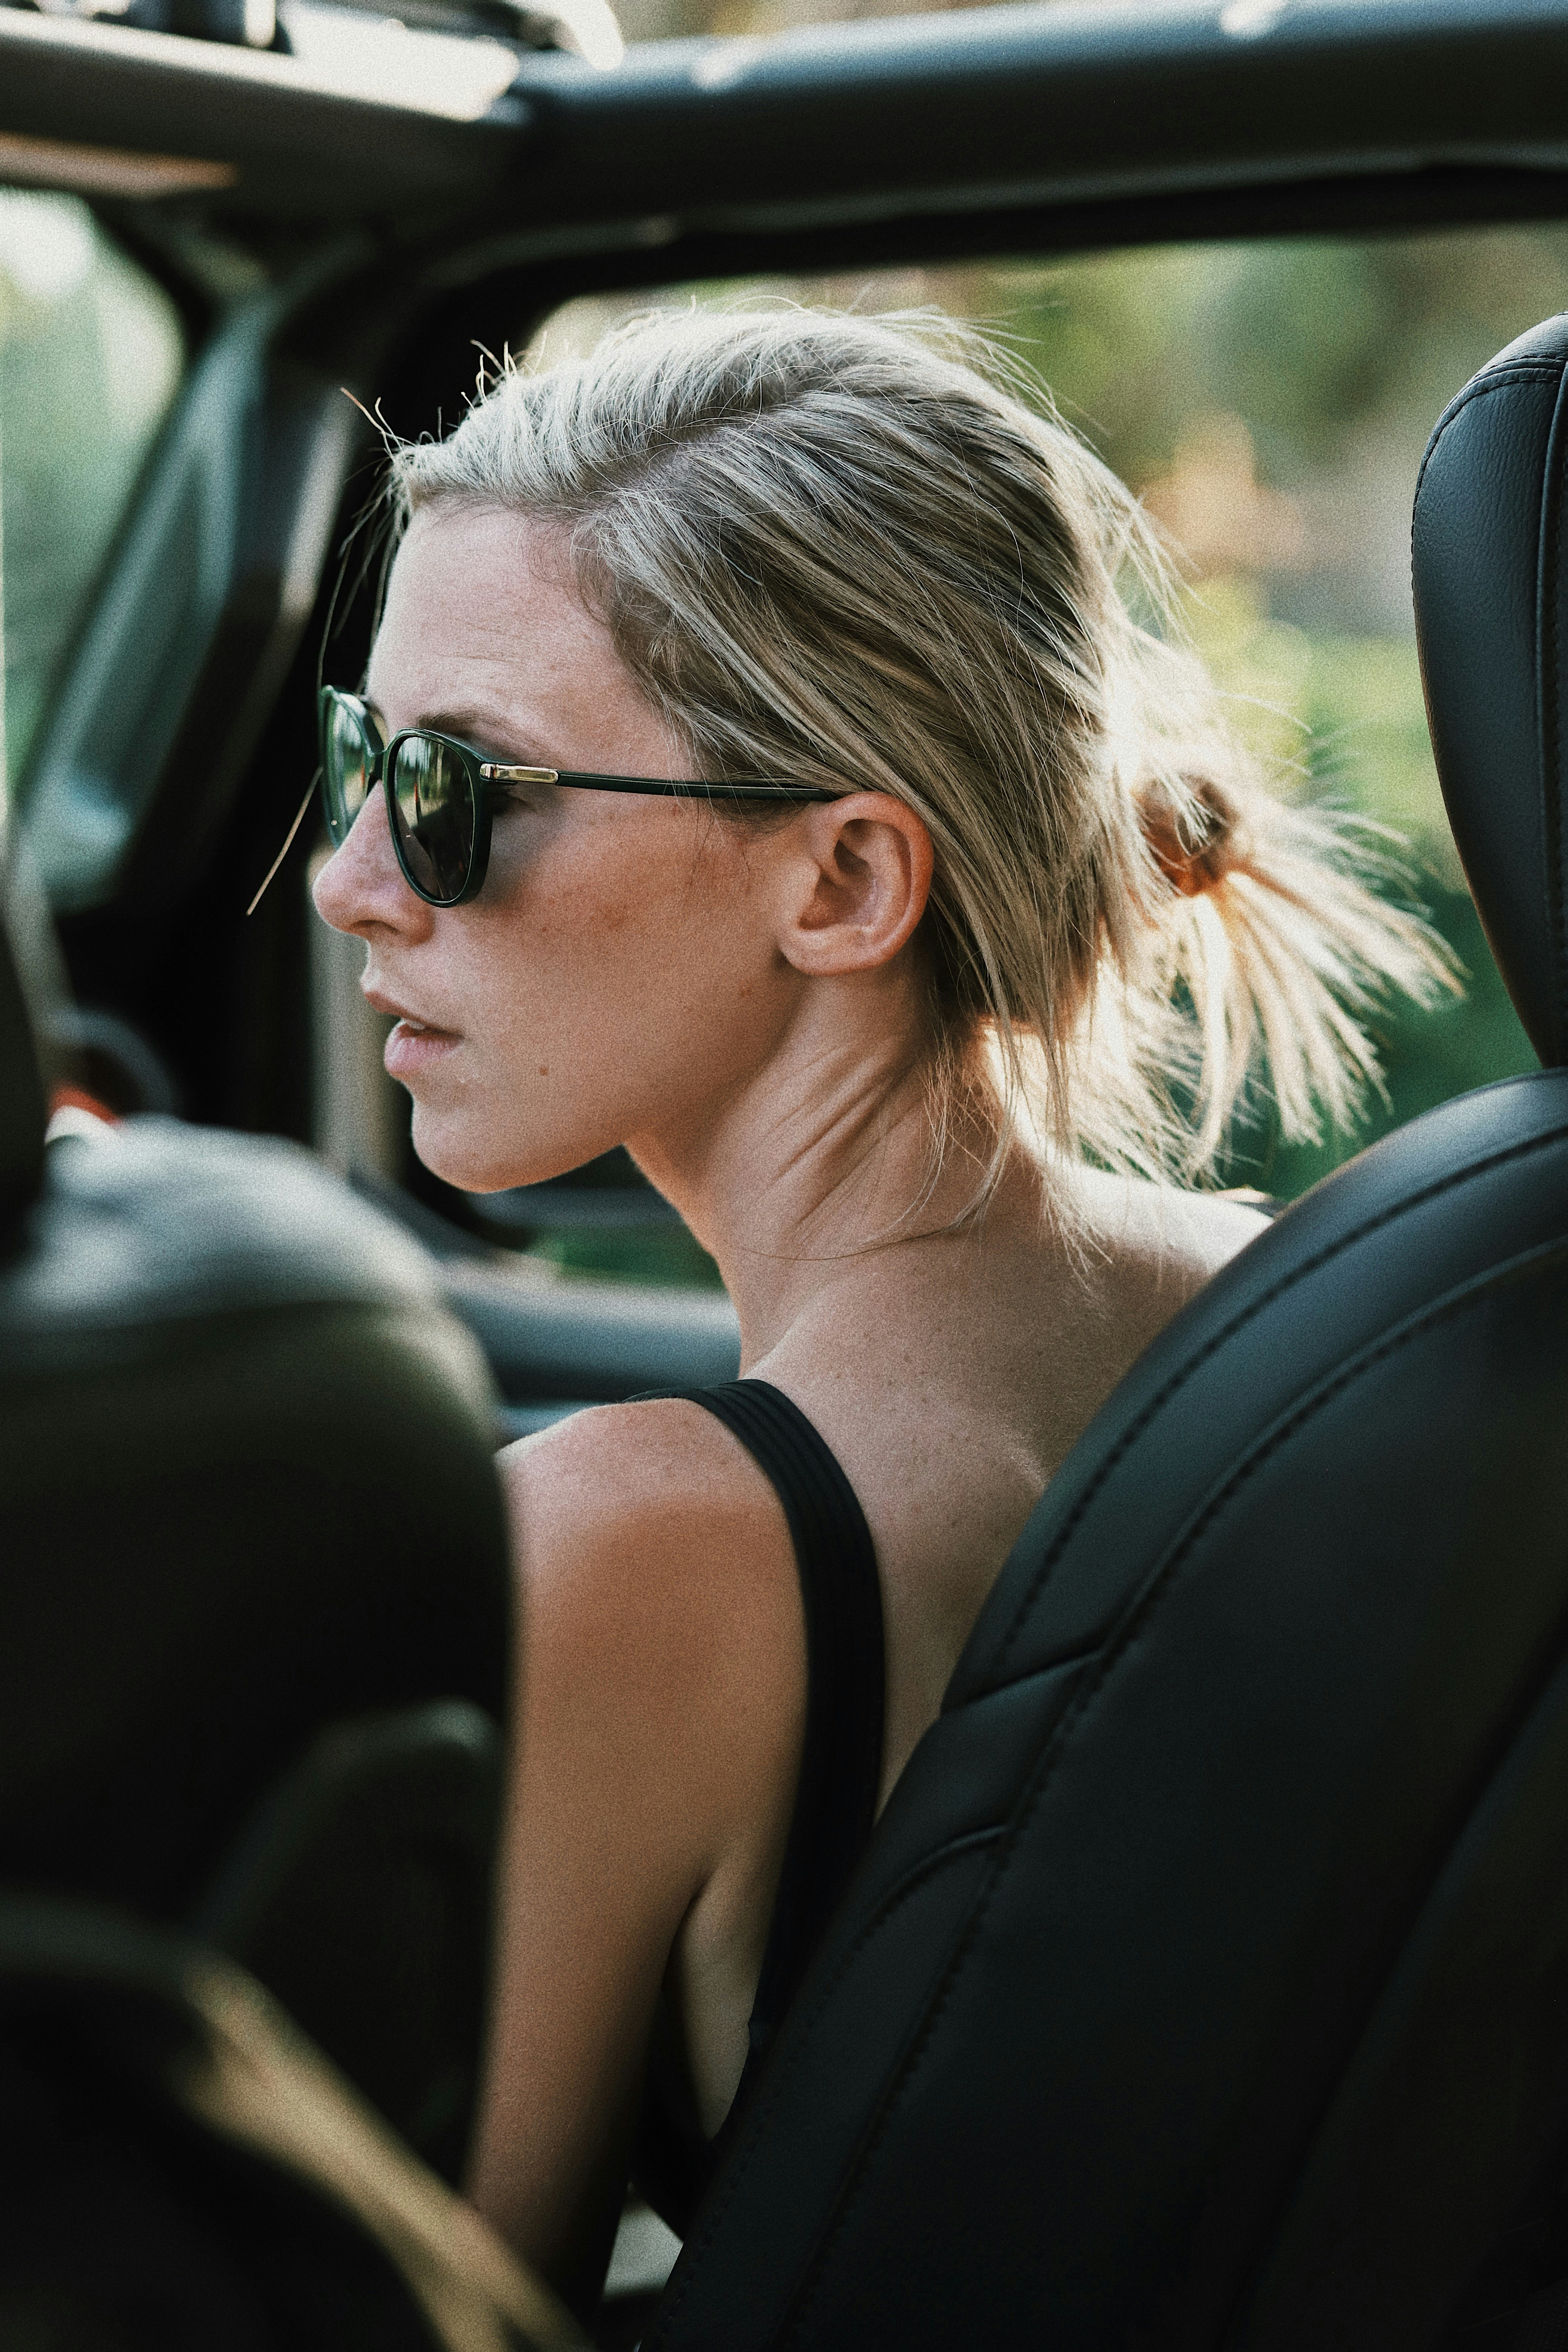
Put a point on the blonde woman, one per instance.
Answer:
(762, 765)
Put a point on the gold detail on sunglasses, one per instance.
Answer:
(494, 772)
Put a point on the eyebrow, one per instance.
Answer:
(491, 732)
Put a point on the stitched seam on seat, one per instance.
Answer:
(1472, 1296)
(1477, 1797)
(1547, 657)
(1518, 372)
(995, 1678)
(761, 2108)
(739, 2160)
(1503, 380)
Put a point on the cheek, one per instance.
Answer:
(574, 940)
(621, 913)
(595, 994)
(607, 961)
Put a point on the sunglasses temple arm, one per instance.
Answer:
(666, 788)
(288, 846)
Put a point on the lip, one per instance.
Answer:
(415, 1044)
(378, 997)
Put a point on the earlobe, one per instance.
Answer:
(865, 876)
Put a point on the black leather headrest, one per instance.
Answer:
(24, 1099)
(1490, 569)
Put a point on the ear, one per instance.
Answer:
(858, 885)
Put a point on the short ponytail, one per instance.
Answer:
(1274, 939)
(832, 550)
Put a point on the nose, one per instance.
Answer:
(361, 887)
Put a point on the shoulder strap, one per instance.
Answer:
(841, 1761)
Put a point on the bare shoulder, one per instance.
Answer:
(1150, 1249)
(646, 1469)
(659, 1694)
(650, 1530)
(1166, 1239)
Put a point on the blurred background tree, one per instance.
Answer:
(90, 356)
(653, 20)
(1270, 401)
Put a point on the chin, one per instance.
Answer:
(471, 1163)
(486, 1162)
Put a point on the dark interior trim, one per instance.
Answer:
(500, 300)
(1073, 111)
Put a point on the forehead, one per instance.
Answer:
(479, 595)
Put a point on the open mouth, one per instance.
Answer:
(414, 1045)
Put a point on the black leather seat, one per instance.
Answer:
(181, 2173)
(253, 1580)
(1206, 1982)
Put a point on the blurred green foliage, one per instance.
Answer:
(666, 1256)
(90, 356)
(1278, 396)
(1354, 706)
(1337, 358)
(1296, 381)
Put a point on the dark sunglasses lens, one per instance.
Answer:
(433, 813)
(346, 761)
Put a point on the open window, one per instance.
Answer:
(1271, 401)
(91, 354)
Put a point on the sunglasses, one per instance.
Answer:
(440, 794)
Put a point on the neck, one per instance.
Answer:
(822, 1155)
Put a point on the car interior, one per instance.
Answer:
(1205, 1982)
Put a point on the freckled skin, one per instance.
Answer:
(746, 1011)
(605, 932)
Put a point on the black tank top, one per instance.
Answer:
(840, 1765)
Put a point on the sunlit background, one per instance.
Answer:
(91, 357)
(1270, 401)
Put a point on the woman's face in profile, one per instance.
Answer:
(618, 969)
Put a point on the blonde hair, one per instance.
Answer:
(832, 552)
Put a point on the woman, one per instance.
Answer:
(896, 1006)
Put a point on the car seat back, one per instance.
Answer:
(180, 2168)
(249, 1530)
(1205, 1983)
(1490, 571)
(24, 1106)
